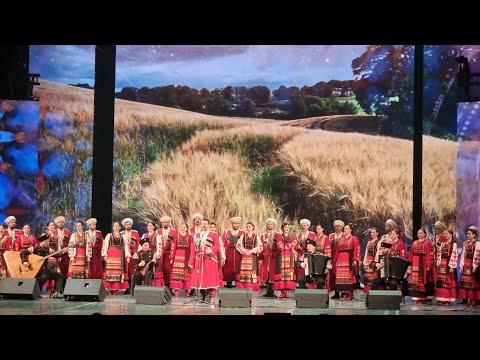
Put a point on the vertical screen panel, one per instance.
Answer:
(66, 132)
(19, 124)
(440, 166)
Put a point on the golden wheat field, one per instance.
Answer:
(176, 162)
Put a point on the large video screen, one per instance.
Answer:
(19, 180)
(442, 138)
(66, 130)
(321, 132)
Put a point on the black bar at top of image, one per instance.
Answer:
(417, 138)
(103, 120)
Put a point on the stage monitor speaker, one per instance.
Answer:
(153, 295)
(84, 290)
(234, 298)
(383, 300)
(19, 288)
(311, 298)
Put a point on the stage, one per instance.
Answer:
(125, 305)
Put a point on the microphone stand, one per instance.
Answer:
(198, 262)
(93, 252)
(282, 264)
(154, 278)
(133, 282)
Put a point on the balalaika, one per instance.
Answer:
(315, 264)
(393, 267)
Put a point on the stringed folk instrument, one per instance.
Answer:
(144, 269)
(18, 270)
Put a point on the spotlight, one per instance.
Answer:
(32, 81)
(463, 78)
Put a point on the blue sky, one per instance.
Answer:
(199, 66)
(68, 64)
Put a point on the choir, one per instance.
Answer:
(199, 260)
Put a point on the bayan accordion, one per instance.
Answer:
(393, 267)
(43, 237)
(315, 264)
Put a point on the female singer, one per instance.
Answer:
(25, 240)
(221, 255)
(420, 284)
(370, 252)
(155, 242)
(249, 246)
(346, 263)
(447, 281)
(322, 242)
(116, 253)
(469, 261)
(152, 236)
(285, 264)
(179, 257)
(80, 254)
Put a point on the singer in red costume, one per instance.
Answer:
(204, 262)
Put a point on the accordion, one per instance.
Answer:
(393, 267)
(42, 237)
(315, 264)
(233, 238)
(208, 242)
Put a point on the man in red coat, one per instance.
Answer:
(95, 237)
(302, 242)
(203, 262)
(167, 235)
(132, 238)
(62, 237)
(197, 224)
(232, 257)
(196, 229)
(268, 257)
(11, 233)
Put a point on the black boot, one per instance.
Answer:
(336, 295)
(203, 292)
(127, 291)
(208, 297)
(270, 293)
(229, 284)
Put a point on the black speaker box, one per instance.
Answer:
(153, 295)
(383, 300)
(311, 298)
(84, 290)
(234, 298)
(18, 288)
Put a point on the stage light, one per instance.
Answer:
(463, 78)
(32, 81)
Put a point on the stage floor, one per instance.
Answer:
(125, 305)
